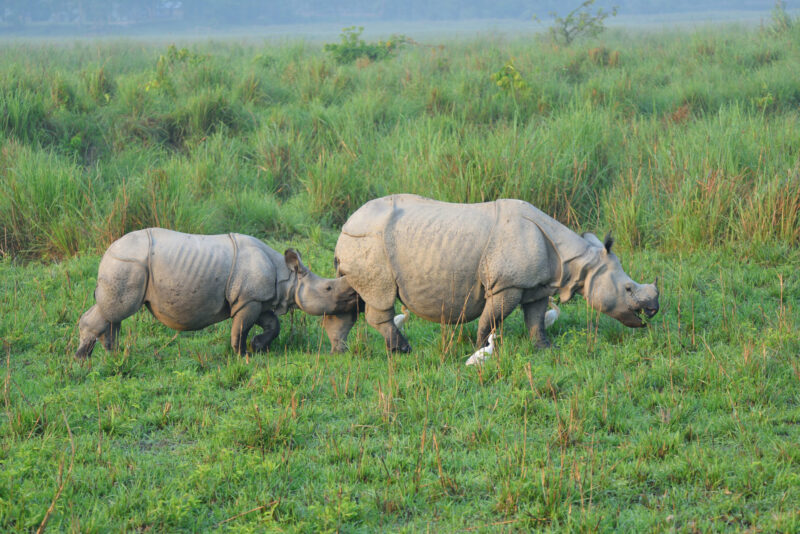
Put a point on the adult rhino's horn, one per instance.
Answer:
(655, 283)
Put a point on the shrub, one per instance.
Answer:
(782, 22)
(352, 47)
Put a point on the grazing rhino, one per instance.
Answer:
(452, 263)
(191, 281)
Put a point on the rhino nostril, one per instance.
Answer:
(650, 311)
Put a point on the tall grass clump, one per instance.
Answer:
(684, 140)
(44, 202)
(23, 114)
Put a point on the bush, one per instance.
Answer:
(353, 47)
(782, 22)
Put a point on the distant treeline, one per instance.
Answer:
(17, 13)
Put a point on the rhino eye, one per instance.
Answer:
(628, 288)
(328, 288)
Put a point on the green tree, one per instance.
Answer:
(580, 22)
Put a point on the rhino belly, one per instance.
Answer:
(188, 280)
(442, 299)
(436, 262)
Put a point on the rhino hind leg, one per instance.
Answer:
(110, 338)
(119, 294)
(92, 326)
(272, 327)
(497, 308)
(534, 320)
(383, 322)
(243, 321)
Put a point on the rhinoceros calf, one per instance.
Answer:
(455, 262)
(191, 281)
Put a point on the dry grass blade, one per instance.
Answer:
(237, 516)
(62, 480)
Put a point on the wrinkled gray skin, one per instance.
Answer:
(452, 263)
(189, 282)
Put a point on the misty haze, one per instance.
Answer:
(101, 17)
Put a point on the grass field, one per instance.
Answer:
(685, 144)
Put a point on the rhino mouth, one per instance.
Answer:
(639, 317)
(633, 319)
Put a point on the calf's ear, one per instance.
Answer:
(293, 261)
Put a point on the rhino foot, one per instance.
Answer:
(404, 347)
(337, 348)
(85, 349)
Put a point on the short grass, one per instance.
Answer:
(685, 144)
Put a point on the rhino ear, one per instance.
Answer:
(608, 242)
(293, 261)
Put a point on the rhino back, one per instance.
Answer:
(132, 247)
(188, 277)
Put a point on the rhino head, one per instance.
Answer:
(610, 290)
(316, 295)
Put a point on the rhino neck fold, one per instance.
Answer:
(287, 291)
(575, 256)
(574, 274)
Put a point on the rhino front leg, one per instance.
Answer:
(534, 320)
(338, 327)
(243, 321)
(497, 308)
(272, 327)
(383, 322)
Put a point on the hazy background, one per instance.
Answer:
(320, 17)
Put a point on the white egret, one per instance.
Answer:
(401, 318)
(551, 315)
(482, 354)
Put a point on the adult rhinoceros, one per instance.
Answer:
(191, 281)
(453, 263)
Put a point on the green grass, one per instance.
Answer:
(684, 144)
(691, 424)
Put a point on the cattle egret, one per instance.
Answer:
(550, 316)
(482, 354)
(401, 318)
